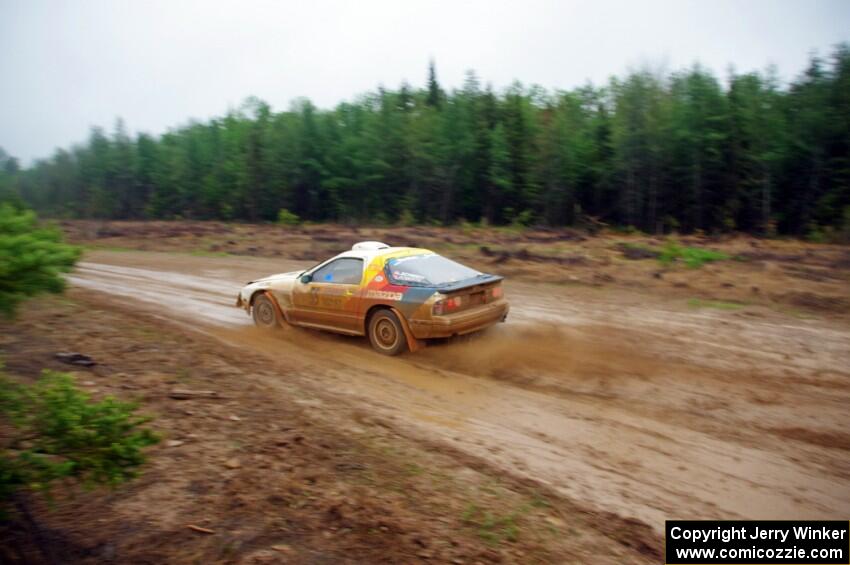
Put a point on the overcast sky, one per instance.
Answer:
(69, 65)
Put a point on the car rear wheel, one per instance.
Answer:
(386, 334)
(264, 313)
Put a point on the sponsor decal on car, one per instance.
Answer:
(412, 277)
(384, 295)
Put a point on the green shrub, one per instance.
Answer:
(467, 227)
(521, 220)
(819, 234)
(380, 219)
(406, 218)
(32, 259)
(287, 218)
(693, 257)
(58, 432)
(671, 223)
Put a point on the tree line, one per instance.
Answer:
(683, 151)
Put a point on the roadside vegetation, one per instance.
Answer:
(52, 432)
(287, 218)
(32, 258)
(692, 257)
(61, 433)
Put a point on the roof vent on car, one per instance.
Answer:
(369, 246)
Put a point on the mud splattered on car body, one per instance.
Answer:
(343, 294)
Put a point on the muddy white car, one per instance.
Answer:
(397, 296)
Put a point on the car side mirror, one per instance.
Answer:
(306, 279)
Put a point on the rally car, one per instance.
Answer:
(398, 296)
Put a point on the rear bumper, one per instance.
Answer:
(460, 323)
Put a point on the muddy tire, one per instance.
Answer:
(264, 313)
(386, 334)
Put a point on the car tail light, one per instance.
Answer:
(447, 305)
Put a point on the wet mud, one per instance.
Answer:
(624, 402)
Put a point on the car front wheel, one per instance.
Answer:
(386, 334)
(264, 313)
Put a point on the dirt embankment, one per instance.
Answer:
(791, 275)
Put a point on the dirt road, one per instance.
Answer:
(626, 403)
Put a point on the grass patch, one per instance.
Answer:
(538, 501)
(492, 528)
(413, 470)
(692, 257)
(795, 313)
(115, 248)
(717, 304)
(146, 333)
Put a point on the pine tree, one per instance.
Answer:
(435, 93)
(677, 151)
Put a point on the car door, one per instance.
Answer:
(331, 299)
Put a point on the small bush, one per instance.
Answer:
(287, 218)
(671, 223)
(467, 227)
(58, 432)
(381, 219)
(406, 218)
(32, 259)
(520, 220)
(692, 257)
(823, 234)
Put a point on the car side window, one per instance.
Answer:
(341, 271)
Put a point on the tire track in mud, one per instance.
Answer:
(621, 407)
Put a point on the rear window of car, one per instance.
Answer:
(427, 270)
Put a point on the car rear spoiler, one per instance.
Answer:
(460, 285)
